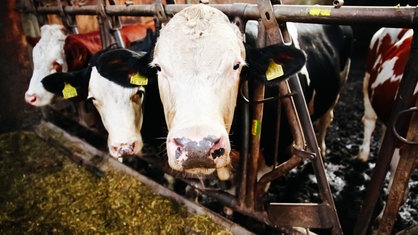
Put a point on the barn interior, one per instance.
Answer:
(18, 121)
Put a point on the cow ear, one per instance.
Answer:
(126, 67)
(274, 63)
(72, 85)
(32, 41)
(76, 53)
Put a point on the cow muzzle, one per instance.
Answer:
(123, 149)
(200, 157)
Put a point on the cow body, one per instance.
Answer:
(387, 57)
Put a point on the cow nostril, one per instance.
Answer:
(180, 145)
(133, 146)
(218, 152)
(179, 150)
(30, 98)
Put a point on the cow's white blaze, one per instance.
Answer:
(48, 56)
(199, 55)
(121, 113)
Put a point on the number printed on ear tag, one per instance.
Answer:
(69, 91)
(274, 71)
(138, 79)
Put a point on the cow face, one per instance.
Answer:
(120, 107)
(48, 57)
(199, 57)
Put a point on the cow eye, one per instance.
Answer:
(141, 92)
(90, 100)
(236, 66)
(158, 67)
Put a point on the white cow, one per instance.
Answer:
(199, 57)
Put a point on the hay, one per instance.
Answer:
(43, 192)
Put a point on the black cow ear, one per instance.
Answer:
(274, 63)
(126, 67)
(72, 85)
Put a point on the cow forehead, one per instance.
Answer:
(107, 91)
(50, 47)
(195, 36)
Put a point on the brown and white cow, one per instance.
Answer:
(57, 51)
(387, 57)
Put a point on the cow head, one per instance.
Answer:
(55, 51)
(48, 57)
(119, 106)
(199, 57)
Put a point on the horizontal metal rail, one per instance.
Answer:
(405, 16)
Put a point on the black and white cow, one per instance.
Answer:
(120, 108)
(328, 51)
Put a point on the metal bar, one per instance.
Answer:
(407, 164)
(245, 136)
(256, 126)
(306, 215)
(346, 15)
(312, 144)
(402, 101)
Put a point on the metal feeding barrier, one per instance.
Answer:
(248, 197)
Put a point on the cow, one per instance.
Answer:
(120, 108)
(57, 51)
(387, 57)
(323, 76)
(386, 60)
(198, 91)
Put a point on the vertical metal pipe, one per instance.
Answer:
(245, 114)
(312, 143)
(406, 165)
(256, 125)
(402, 101)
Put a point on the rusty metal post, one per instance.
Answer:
(407, 164)
(256, 126)
(245, 114)
(69, 21)
(402, 101)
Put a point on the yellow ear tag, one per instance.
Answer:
(69, 91)
(138, 79)
(274, 71)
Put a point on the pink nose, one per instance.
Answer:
(30, 98)
(198, 154)
(124, 149)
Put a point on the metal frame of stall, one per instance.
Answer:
(248, 199)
